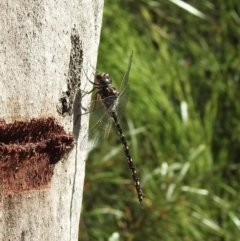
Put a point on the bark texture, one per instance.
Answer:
(44, 46)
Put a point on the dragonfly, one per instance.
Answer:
(114, 103)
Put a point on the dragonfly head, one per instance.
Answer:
(103, 79)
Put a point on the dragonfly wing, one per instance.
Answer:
(126, 74)
(122, 101)
(97, 133)
(124, 90)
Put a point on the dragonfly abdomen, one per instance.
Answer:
(129, 157)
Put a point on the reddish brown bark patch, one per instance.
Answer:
(28, 152)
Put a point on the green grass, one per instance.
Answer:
(189, 171)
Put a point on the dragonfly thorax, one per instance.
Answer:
(103, 79)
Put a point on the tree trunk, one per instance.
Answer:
(44, 48)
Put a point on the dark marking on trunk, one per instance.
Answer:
(28, 153)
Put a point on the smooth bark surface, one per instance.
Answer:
(43, 45)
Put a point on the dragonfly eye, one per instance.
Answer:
(104, 79)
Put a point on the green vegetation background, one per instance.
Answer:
(188, 166)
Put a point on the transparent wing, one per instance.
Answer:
(126, 74)
(99, 126)
(124, 90)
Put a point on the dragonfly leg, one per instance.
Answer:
(93, 105)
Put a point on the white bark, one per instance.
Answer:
(35, 47)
